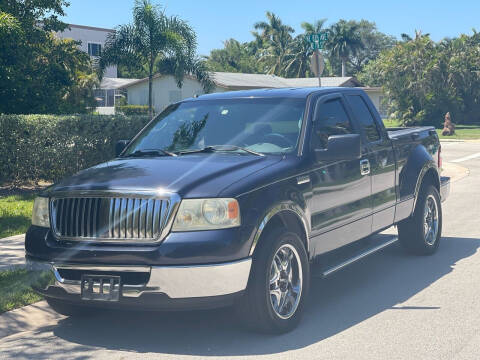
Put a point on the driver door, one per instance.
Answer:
(341, 207)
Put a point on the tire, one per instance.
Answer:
(261, 310)
(417, 234)
(69, 309)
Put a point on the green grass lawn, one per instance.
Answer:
(15, 214)
(15, 290)
(462, 132)
(391, 123)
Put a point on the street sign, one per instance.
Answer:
(317, 65)
(317, 41)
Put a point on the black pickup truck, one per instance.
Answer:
(236, 199)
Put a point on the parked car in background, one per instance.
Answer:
(228, 199)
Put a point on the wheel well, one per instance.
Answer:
(289, 221)
(431, 177)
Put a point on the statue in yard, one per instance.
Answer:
(448, 126)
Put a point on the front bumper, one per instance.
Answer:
(444, 188)
(171, 283)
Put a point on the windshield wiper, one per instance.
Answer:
(213, 148)
(150, 152)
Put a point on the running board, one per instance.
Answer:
(358, 257)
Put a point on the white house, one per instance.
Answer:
(92, 42)
(166, 91)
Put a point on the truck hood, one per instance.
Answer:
(193, 175)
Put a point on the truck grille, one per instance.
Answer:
(109, 218)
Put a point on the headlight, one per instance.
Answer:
(207, 214)
(40, 212)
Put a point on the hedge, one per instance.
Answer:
(49, 147)
(132, 109)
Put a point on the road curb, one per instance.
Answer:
(460, 140)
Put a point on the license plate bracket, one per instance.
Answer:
(100, 287)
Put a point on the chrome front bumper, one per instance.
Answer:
(177, 282)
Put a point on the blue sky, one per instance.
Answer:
(218, 20)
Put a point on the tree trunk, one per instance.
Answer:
(344, 65)
(150, 90)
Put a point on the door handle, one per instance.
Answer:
(364, 167)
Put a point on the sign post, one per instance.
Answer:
(317, 64)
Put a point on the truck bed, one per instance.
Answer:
(413, 131)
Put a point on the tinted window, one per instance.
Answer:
(332, 119)
(364, 117)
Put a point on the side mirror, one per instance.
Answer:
(340, 147)
(120, 145)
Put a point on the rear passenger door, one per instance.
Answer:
(381, 160)
(340, 205)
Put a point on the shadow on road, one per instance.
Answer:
(378, 283)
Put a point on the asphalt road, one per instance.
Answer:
(388, 306)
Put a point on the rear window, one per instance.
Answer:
(364, 117)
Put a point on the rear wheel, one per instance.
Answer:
(421, 233)
(278, 284)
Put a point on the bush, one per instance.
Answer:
(424, 80)
(132, 109)
(49, 147)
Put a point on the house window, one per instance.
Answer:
(174, 96)
(94, 49)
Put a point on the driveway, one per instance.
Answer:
(388, 306)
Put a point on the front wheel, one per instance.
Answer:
(421, 233)
(278, 284)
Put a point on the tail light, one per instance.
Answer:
(439, 162)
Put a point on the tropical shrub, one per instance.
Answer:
(132, 109)
(40, 73)
(424, 80)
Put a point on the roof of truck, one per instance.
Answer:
(300, 92)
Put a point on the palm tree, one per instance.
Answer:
(418, 35)
(405, 37)
(153, 37)
(344, 41)
(300, 50)
(314, 27)
(276, 38)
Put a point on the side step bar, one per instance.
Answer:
(358, 257)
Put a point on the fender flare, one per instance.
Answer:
(430, 165)
(276, 210)
(411, 175)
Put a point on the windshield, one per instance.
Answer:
(262, 125)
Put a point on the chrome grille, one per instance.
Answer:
(109, 218)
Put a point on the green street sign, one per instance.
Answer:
(317, 41)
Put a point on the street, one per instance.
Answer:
(388, 306)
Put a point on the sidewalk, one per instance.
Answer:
(27, 318)
(12, 252)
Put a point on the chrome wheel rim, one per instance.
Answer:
(286, 280)
(430, 220)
